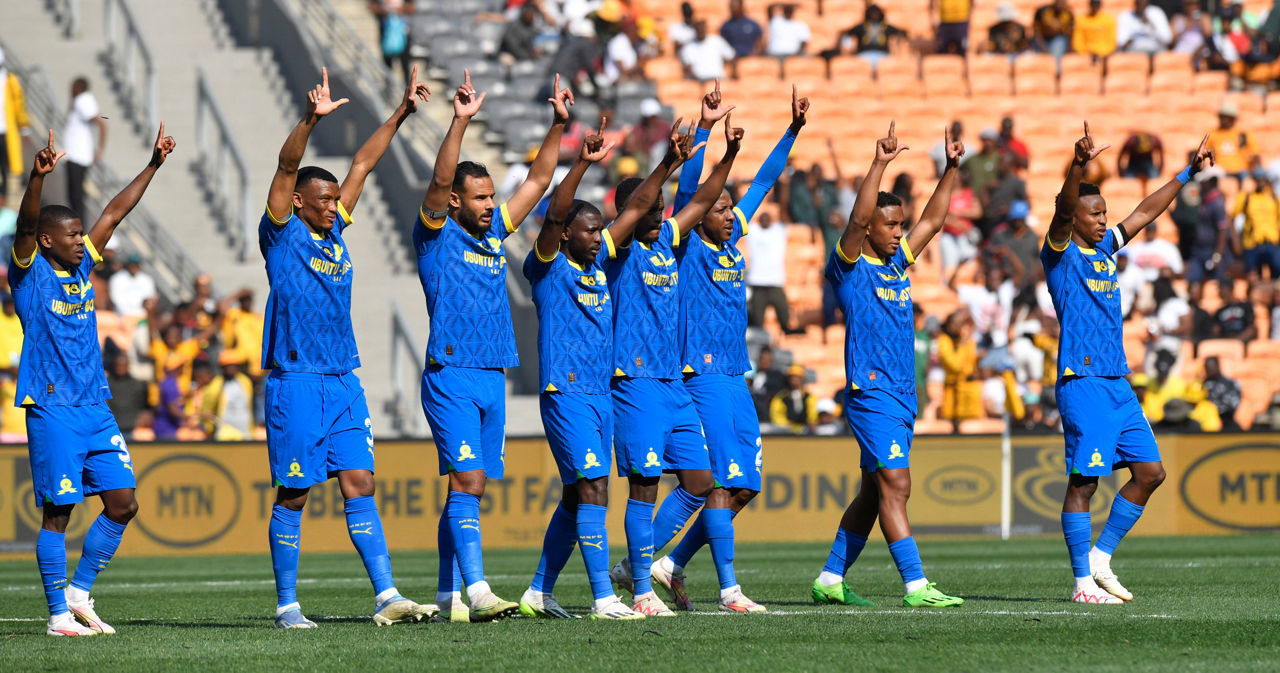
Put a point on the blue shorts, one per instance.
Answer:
(1104, 425)
(580, 431)
(74, 452)
(883, 422)
(317, 425)
(656, 428)
(731, 428)
(467, 411)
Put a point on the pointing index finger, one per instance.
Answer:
(603, 121)
(717, 89)
(466, 73)
(160, 135)
(892, 122)
(50, 138)
(324, 73)
(1086, 130)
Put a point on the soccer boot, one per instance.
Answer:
(398, 609)
(620, 573)
(837, 594)
(1107, 581)
(650, 605)
(293, 619)
(84, 613)
(457, 612)
(614, 608)
(543, 606)
(65, 624)
(489, 608)
(1092, 593)
(736, 601)
(930, 597)
(671, 582)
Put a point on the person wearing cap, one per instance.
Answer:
(793, 409)
(1222, 392)
(131, 287)
(650, 134)
(828, 424)
(1144, 30)
(1261, 237)
(984, 166)
(1234, 147)
(1006, 35)
(13, 125)
(1095, 32)
(1018, 241)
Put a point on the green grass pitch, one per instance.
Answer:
(1202, 604)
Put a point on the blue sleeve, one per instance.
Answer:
(1050, 256)
(766, 176)
(536, 268)
(838, 269)
(272, 231)
(691, 172)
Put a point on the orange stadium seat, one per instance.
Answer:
(981, 426)
(1210, 82)
(1128, 62)
(849, 65)
(1224, 349)
(801, 70)
(934, 427)
(943, 75)
(1264, 348)
(758, 68)
(1035, 74)
(1170, 83)
(661, 68)
(1125, 82)
(1173, 62)
(989, 75)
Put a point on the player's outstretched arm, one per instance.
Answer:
(680, 148)
(129, 197)
(371, 152)
(776, 162)
(319, 104)
(543, 168)
(706, 196)
(24, 239)
(593, 150)
(887, 149)
(1160, 200)
(713, 110)
(1065, 207)
(466, 103)
(935, 211)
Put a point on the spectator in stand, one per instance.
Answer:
(128, 395)
(394, 34)
(77, 141)
(1130, 280)
(1235, 319)
(939, 151)
(1190, 27)
(242, 332)
(1144, 30)
(10, 334)
(1233, 148)
(1203, 412)
(829, 424)
(1009, 144)
(958, 353)
(765, 381)
(1095, 32)
(1202, 323)
(14, 124)
(168, 346)
(651, 134)
(1006, 35)
(794, 409)
(788, 36)
(846, 192)
(741, 32)
(1169, 324)
(983, 167)
(684, 31)
(1261, 238)
(991, 311)
(1223, 393)
(624, 55)
(1176, 417)
(1001, 193)
(1142, 157)
(767, 273)
(870, 40)
(169, 412)
(1155, 255)
(831, 234)
(131, 287)
(904, 187)
(1164, 386)
(1018, 241)
(952, 30)
(144, 430)
(1211, 240)
(1051, 29)
(811, 197)
(923, 350)
(705, 56)
(957, 243)
(519, 39)
(226, 407)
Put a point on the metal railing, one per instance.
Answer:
(67, 15)
(220, 163)
(407, 365)
(130, 57)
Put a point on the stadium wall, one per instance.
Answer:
(216, 498)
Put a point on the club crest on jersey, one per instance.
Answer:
(336, 253)
(895, 451)
(76, 289)
(65, 486)
(726, 261)
(591, 461)
(295, 469)
(651, 459)
(661, 260)
(1096, 459)
(734, 470)
(464, 452)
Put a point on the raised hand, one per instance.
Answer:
(1203, 154)
(732, 136)
(560, 101)
(163, 147)
(47, 158)
(681, 143)
(955, 148)
(319, 103)
(799, 110)
(593, 147)
(414, 92)
(1085, 149)
(465, 101)
(887, 148)
(712, 110)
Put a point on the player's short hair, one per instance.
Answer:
(1088, 189)
(624, 191)
(578, 209)
(308, 173)
(885, 199)
(468, 169)
(52, 216)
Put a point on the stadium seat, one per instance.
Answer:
(1173, 62)
(1079, 83)
(1167, 83)
(989, 75)
(934, 427)
(1128, 62)
(1210, 82)
(943, 75)
(848, 65)
(804, 71)
(1264, 348)
(1224, 349)
(1035, 74)
(759, 68)
(982, 426)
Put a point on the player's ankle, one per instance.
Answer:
(1099, 560)
(477, 591)
(75, 594)
(386, 595)
(281, 609)
(828, 578)
(915, 585)
(447, 597)
(730, 591)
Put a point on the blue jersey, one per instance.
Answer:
(1082, 283)
(643, 280)
(879, 341)
(575, 322)
(307, 327)
(465, 280)
(61, 362)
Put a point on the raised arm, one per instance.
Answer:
(24, 239)
(319, 104)
(706, 196)
(712, 112)
(371, 152)
(465, 106)
(935, 211)
(680, 148)
(774, 164)
(128, 197)
(1159, 201)
(543, 168)
(593, 150)
(887, 149)
(1065, 208)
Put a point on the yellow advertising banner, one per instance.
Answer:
(217, 498)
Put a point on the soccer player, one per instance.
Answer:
(458, 238)
(1101, 417)
(317, 416)
(713, 322)
(868, 271)
(75, 447)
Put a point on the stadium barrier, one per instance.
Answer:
(216, 498)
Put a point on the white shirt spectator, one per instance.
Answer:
(1167, 319)
(1154, 255)
(129, 291)
(787, 36)
(706, 58)
(991, 311)
(620, 56)
(768, 249)
(681, 34)
(77, 137)
(1147, 34)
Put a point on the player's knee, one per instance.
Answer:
(1150, 480)
(697, 483)
(594, 491)
(743, 497)
(123, 511)
(894, 484)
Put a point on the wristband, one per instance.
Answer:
(1185, 176)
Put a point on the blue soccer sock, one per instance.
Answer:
(463, 510)
(557, 547)
(450, 577)
(364, 526)
(593, 539)
(1076, 529)
(100, 544)
(694, 539)
(673, 515)
(907, 557)
(719, 525)
(284, 534)
(639, 526)
(844, 551)
(1124, 515)
(51, 557)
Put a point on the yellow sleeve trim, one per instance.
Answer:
(608, 241)
(428, 222)
(542, 259)
(93, 252)
(278, 220)
(1056, 246)
(675, 232)
(906, 248)
(22, 264)
(342, 211)
(506, 220)
(840, 251)
(741, 218)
